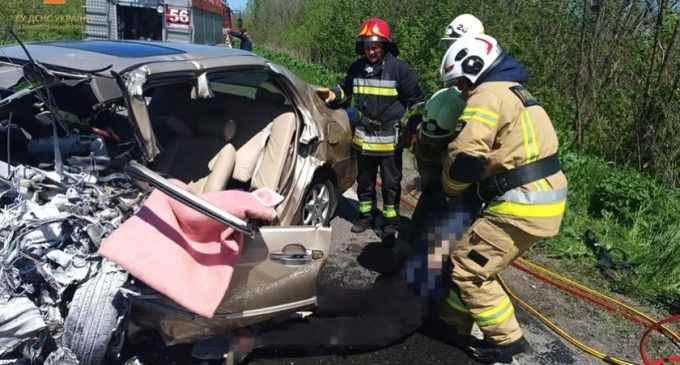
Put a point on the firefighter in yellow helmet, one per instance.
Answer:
(506, 153)
(380, 87)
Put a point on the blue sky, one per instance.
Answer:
(238, 4)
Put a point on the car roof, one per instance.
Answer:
(98, 54)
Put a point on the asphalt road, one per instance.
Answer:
(343, 270)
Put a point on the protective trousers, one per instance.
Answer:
(486, 248)
(390, 173)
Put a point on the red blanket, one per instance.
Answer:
(180, 252)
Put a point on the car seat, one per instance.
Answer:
(221, 168)
(276, 151)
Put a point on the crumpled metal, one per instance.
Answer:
(135, 80)
(62, 356)
(20, 320)
(50, 230)
(201, 89)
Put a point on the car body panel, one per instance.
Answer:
(261, 288)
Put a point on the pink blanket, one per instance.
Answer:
(180, 252)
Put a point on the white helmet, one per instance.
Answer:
(470, 57)
(463, 24)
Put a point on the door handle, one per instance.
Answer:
(297, 258)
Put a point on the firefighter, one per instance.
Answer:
(506, 153)
(460, 26)
(380, 87)
(428, 145)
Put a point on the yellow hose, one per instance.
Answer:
(535, 267)
(553, 326)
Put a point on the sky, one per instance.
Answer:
(238, 4)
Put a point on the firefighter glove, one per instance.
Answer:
(325, 94)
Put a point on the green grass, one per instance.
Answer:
(628, 211)
(313, 74)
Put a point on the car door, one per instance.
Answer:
(277, 271)
(277, 266)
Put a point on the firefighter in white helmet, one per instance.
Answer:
(463, 24)
(506, 154)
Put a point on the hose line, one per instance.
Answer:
(598, 298)
(553, 326)
(575, 289)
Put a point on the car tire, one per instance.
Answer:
(319, 202)
(94, 328)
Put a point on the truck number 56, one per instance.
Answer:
(178, 16)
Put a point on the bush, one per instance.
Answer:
(623, 194)
(33, 21)
(313, 74)
(659, 277)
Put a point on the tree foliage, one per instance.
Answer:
(608, 72)
(33, 21)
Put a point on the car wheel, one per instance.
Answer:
(95, 326)
(319, 203)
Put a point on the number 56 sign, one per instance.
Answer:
(177, 17)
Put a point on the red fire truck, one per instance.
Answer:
(195, 21)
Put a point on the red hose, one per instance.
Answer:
(672, 359)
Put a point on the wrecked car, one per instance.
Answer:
(90, 127)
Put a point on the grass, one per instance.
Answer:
(313, 74)
(629, 213)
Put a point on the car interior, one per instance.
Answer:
(240, 138)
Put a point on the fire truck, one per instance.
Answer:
(193, 21)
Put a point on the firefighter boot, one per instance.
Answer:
(363, 222)
(491, 353)
(390, 228)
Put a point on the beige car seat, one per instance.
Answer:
(268, 172)
(248, 156)
(221, 168)
(260, 160)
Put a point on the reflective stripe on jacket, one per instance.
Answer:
(380, 92)
(508, 128)
(378, 142)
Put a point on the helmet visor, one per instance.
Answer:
(372, 39)
(446, 42)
